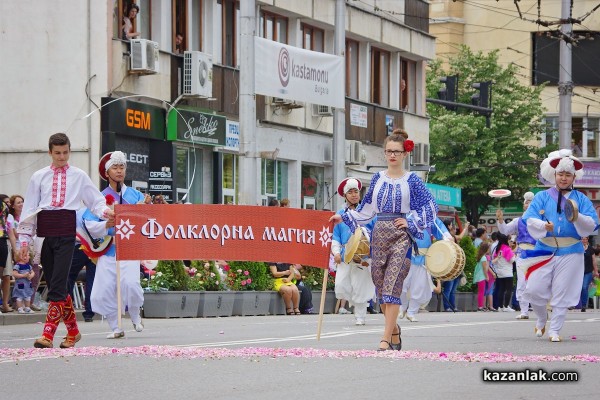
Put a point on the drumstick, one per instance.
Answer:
(542, 212)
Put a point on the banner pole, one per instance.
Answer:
(119, 306)
(322, 305)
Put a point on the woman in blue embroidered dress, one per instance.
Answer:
(404, 209)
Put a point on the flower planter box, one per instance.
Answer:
(330, 301)
(215, 304)
(171, 304)
(276, 304)
(251, 303)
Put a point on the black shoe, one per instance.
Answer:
(88, 319)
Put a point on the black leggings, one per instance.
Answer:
(3, 252)
(505, 286)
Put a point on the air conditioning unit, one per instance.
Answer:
(328, 154)
(322, 111)
(417, 154)
(280, 102)
(197, 74)
(420, 155)
(353, 151)
(144, 56)
(425, 154)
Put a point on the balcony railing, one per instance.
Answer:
(416, 14)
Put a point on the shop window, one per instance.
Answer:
(313, 38)
(273, 27)
(230, 178)
(313, 183)
(274, 180)
(380, 77)
(352, 68)
(189, 175)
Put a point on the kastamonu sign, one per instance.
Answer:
(227, 232)
(196, 127)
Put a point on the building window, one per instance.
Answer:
(312, 187)
(141, 22)
(352, 68)
(408, 79)
(196, 29)
(189, 166)
(274, 180)
(273, 27)
(380, 77)
(179, 23)
(313, 38)
(545, 62)
(230, 17)
(230, 178)
(584, 136)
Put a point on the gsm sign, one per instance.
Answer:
(137, 119)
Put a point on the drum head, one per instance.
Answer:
(571, 210)
(440, 258)
(352, 245)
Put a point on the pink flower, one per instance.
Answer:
(248, 281)
(225, 267)
(243, 283)
(246, 273)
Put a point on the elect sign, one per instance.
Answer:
(137, 119)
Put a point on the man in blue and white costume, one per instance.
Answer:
(558, 278)
(418, 282)
(353, 281)
(524, 242)
(112, 168)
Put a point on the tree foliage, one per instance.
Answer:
(469, 155)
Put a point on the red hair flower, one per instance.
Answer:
(409, 145)
(110, 200)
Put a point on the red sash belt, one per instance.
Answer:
(56, 223)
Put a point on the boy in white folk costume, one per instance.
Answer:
(353, 281)
(53, 196)
(555, 266)
(524, 242)
(112, 168)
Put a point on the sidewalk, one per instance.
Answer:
(14, 318)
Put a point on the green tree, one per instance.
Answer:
(469, 155)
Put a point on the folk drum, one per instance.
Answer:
(445, 260)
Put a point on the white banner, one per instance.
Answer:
(297, 74)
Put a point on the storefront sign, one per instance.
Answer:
(232, 136)
(445, 195)
(358, 115)
(128, 117)
(298, 74)
(196, 127)
(591, 175)
(228, 232)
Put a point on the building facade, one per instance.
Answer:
(534, 49)
(86, 78)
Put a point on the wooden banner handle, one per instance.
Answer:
(119, 306)
(322, 305)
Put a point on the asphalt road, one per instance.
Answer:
(444, 356)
